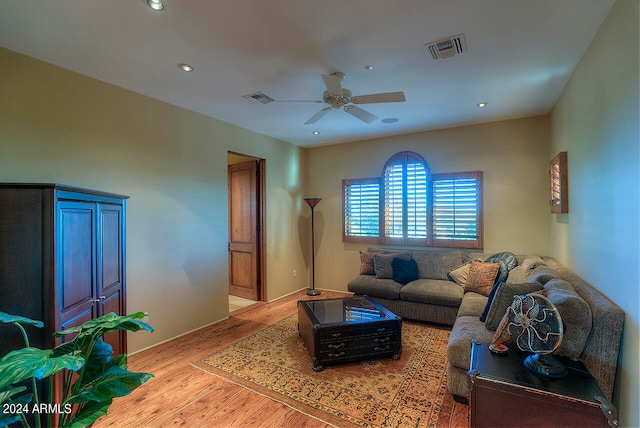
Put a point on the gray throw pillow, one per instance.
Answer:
(503, 298)
(382, 263)
(575, 313)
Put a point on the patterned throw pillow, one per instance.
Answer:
(366, 262)
(481, 277)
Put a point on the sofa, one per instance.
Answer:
(467, 291)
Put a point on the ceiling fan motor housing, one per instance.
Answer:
(337, 101)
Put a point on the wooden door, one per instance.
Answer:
(243, 230)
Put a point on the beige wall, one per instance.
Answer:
(58, 126)
(512, 154)
(596, 122)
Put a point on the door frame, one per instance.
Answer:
(260, 220)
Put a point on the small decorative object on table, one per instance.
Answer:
(536, 326)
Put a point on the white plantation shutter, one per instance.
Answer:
(406, 205)
(361, 210)
(457, 210)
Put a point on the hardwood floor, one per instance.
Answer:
(181, 395)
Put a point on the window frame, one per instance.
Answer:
(477, 243)
(431, 180)
(403, 158)
(347, 183)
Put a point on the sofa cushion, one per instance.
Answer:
(434, 291)
(372, 286)
(481, 277)
(382, 263)
(463, 332)
(472, 304)
(503, 299)
(517, 274)
(532, 262)
(366, 262)
(437, 264)
(541, 274)
(404, 271)
(575, 313)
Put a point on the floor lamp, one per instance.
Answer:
(312, 291)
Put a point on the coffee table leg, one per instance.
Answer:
(317, 367)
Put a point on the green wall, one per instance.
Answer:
(59, 126)
(596, 122)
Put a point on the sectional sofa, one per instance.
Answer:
(468, 292)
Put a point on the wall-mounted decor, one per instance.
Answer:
(559, 185)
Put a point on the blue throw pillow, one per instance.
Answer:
(404, 271)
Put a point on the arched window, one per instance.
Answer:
(405, 200)
(410, 206)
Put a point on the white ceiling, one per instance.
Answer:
(520, 55)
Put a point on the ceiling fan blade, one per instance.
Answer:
(363, 115)
(333, 84)
(316, 117)
(387, 97)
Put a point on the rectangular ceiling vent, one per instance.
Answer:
(446, 48)
(258, 98)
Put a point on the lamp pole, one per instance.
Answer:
(312, 202)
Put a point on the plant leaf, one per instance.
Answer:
(107, 323)
(96, 363)
(8, 318)
(114, 382)
(7, 419)
(89, 414)
(26, 363)
(10, 391)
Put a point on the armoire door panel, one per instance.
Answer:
(111, 248)
(76, 255)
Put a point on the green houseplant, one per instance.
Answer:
(92, 378)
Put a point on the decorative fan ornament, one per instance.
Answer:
(338, 97)
(536, 326)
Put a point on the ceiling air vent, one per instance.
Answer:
(446, 48)
(258, 98)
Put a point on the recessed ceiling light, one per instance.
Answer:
(155, 4)
(482, 105)
(316, 132)
(368, 67)
(185, 67)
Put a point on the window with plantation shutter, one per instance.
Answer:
(457, 210)
(405, 178)
(361, 210)
(410, 206)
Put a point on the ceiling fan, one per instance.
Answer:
(338, 97)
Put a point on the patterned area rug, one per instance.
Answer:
(410, 392)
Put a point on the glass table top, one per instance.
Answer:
(351, 309)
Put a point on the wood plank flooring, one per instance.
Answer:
(181, 395)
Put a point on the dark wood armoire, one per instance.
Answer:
(62, 260)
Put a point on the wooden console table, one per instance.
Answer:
(505, 393)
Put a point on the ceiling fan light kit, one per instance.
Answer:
(338, 97)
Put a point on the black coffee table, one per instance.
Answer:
(348, 329)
